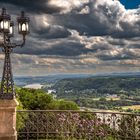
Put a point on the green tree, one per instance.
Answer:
(33, 99)
(67, 105)
(103, 99)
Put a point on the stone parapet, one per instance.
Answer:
(8, 119)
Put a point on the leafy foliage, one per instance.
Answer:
(102, 85)
(33, 99)
(84, 90)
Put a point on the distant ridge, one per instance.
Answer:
(53, 78)
(83, 75)
(119, 74)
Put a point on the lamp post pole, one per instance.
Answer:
(7, 32)
(8, 102)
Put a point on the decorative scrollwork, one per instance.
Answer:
(77, 125)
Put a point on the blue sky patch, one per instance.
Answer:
(130, 4)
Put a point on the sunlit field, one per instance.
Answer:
(133, 107)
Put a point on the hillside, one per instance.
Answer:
(103, 92)
(102, 85)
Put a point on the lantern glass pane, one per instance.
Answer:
(27, 27)
(6, 24)
(19, 27)
(1, 24)
(11, 30)
(23, 27)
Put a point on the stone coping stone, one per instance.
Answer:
(9, 103)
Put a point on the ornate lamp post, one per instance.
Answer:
(7, 32)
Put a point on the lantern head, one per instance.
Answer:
(23, 24)
(4, 21)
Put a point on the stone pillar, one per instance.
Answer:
(8, 119)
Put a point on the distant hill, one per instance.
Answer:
(53, 78)
(109, 82)
(43, 80)
(100, 84)
(101, 92)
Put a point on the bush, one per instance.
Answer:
(33, 99)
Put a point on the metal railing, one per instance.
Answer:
(72, 125)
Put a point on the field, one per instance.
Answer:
(133, 107)
(108, 99)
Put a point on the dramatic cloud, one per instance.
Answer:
(38, 6)
(105, 17)
(79, 36)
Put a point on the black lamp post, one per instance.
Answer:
(7, 31)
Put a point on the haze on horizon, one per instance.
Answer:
(77, 36)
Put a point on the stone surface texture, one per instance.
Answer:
(8, 119)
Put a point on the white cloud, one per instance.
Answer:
(68, 5)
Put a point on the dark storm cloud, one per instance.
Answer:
(100, 47)
(107, 57)
(51, 32)
(67, 48)
(124, 54)
(129, 30)
(135, 46)
(33, 6)
(83, 24)
(103, 19)
(120, 42)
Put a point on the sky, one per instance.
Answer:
(76, 36)
(130, 4)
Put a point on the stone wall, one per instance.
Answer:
(8, 119)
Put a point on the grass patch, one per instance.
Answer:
(133, 107)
